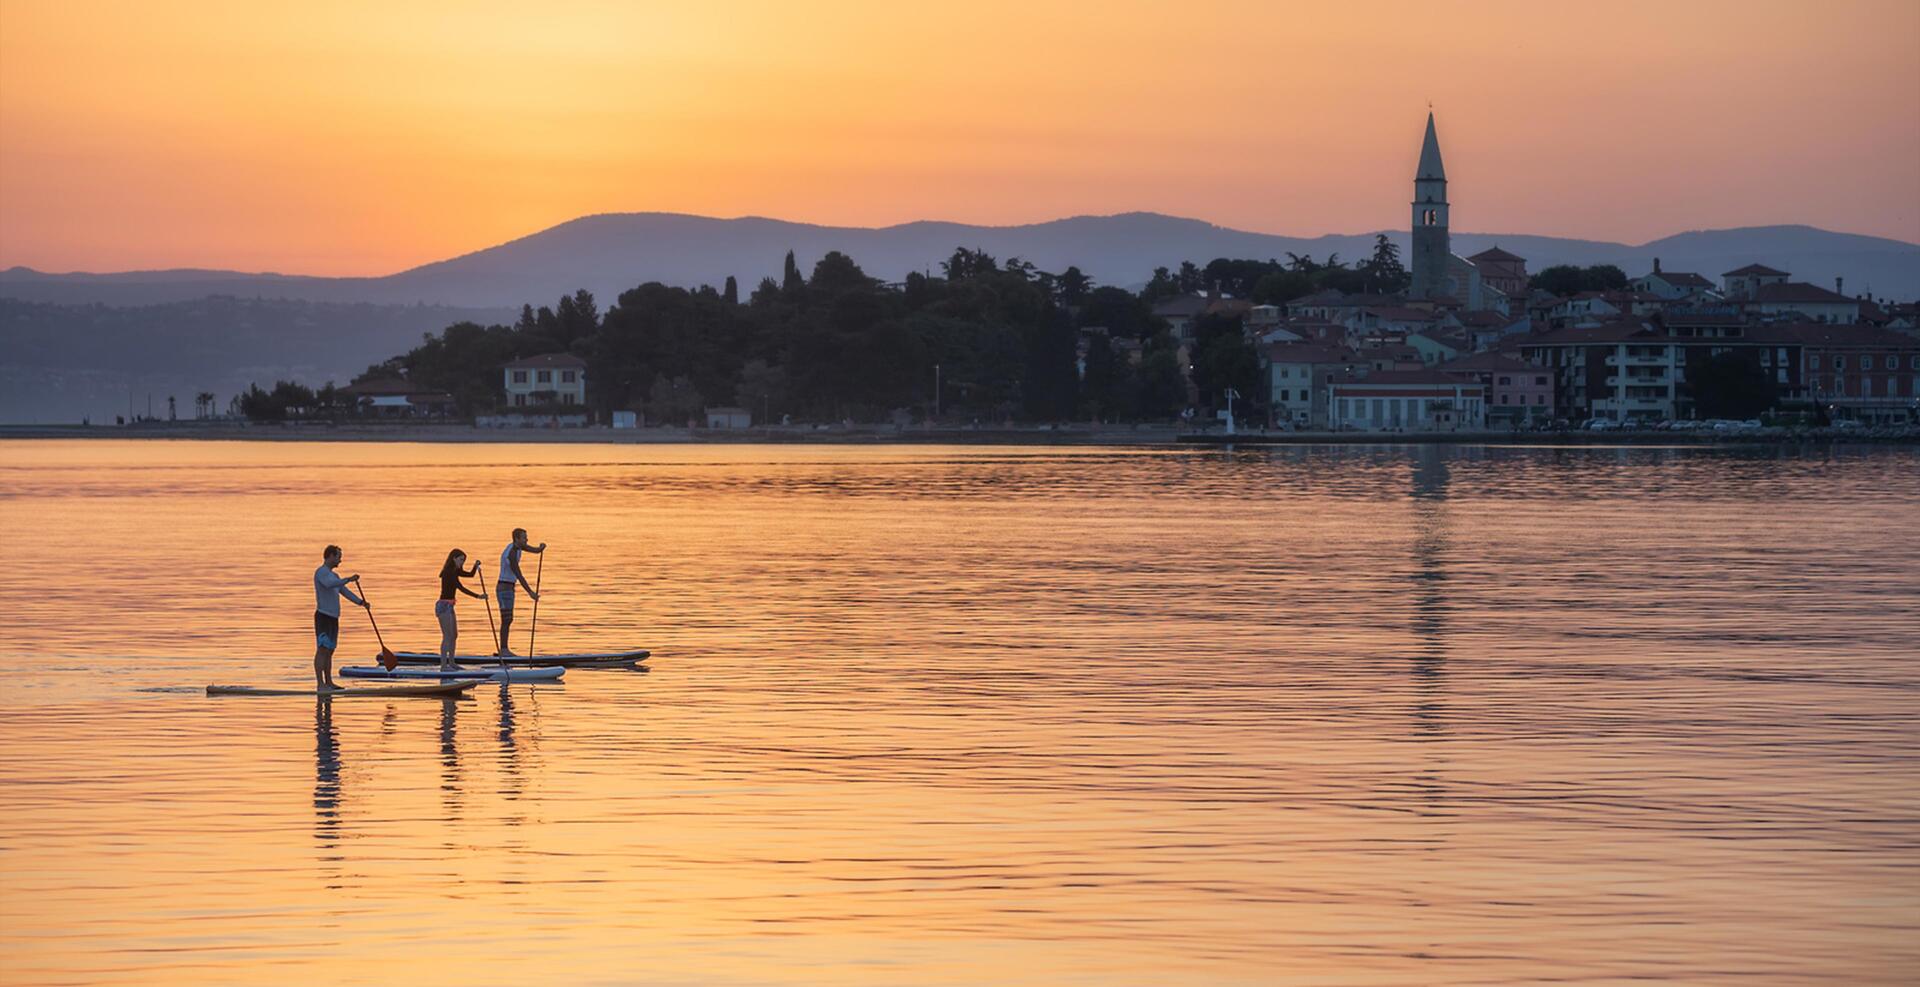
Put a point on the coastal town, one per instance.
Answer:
(1442, 345)
(1470, 346)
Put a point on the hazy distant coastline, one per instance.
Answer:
(611, 252)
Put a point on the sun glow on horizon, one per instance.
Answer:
(363, 138)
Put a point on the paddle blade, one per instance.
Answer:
(388, 659)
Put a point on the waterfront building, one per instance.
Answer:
(1618, 370)
(1634, 370)
(392, 397)
(1865, 373)
(1298, 375)
(1406, 401)
(1518, 393)
(548, 379)
(728, 418)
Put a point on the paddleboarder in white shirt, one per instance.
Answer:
(505, 579)
(328, 588)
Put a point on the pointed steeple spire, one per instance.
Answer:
(1430, 167)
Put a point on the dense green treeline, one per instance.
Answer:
(833, 344)
(836, 344)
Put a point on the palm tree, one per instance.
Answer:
(203, 404)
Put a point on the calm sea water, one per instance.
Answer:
(957, 716)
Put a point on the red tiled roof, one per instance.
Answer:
(1405, 377)
(1334, 299)
(1401, 314)
(1682, 279)
(1487, 361)
(1495, 253)
(1610, 332)
(1307, 353)
(547, 361)
(1854, 337)
(1798, 293)
(1685, 318)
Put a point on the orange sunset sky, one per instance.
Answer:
(364, 138)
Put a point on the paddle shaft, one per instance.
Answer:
(493, 633)
(490, 628)
(376, 624)
(535, 627)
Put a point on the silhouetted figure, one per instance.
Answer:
(505, 579)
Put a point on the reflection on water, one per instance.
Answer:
(1428, 502)
(326, 774)
(1362, 715)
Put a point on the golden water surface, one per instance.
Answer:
(922, 715)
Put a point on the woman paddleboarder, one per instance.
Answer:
(450, 575)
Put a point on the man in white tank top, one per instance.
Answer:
(505, 579)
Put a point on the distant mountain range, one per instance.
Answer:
(608, 254)
(182, 331)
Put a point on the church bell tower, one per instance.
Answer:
(1431, 249)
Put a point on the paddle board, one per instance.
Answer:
(598, 659)
(482, 674)
(441, 689)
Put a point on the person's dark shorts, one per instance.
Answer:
(326, 630)
(504, 593)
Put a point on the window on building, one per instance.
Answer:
(1866, 387)
(1916, 362)
(1813, 362)
(1504, 381)
(566, 376)
(519, 376)
(1866, 362)
(1539, 399)
(1284, 396)
(1839, 363)
(1539, 382)
(520, 400)
(544, 377)
(1506, 399)
(567, 398)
